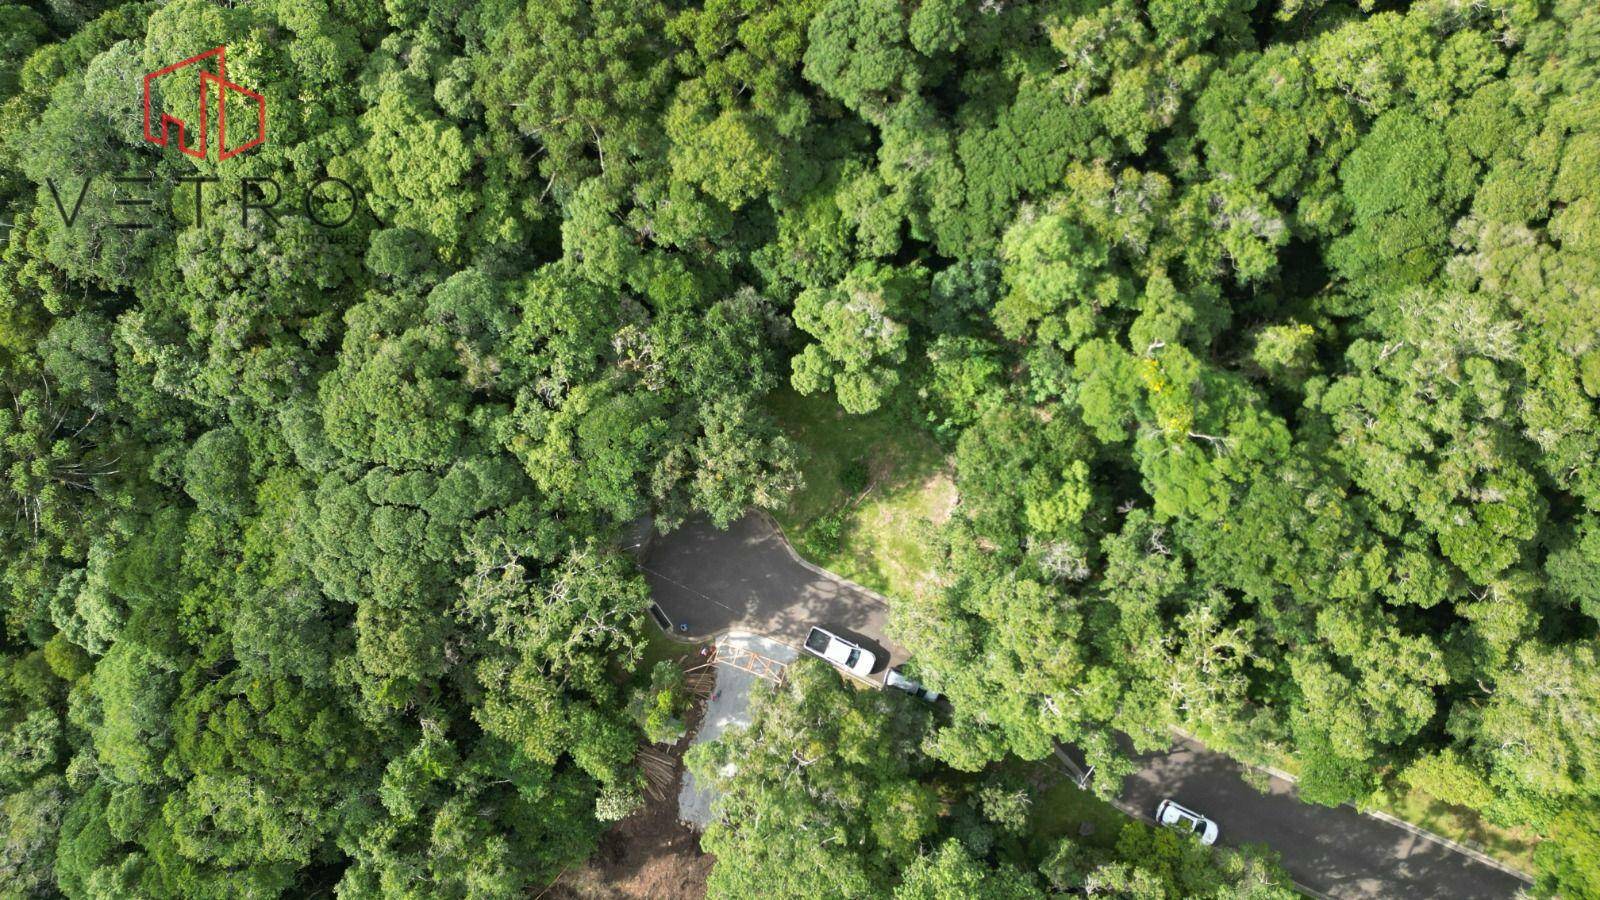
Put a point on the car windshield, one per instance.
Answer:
(1199, 826)
(851, 660)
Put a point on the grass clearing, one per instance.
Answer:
(875, 485)
(658, 646)
(1064, 810)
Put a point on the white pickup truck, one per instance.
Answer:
(847, 655)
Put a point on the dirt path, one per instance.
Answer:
(647, 856)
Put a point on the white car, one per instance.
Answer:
(1172, 815)
(847, 655)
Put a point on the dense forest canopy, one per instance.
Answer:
(1264, 335)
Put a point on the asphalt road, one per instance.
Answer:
(748, 578)
(1337, 852)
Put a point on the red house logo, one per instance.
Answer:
(223, 86)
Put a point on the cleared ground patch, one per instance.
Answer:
(728, 707)
(647, 856)
(650, 855)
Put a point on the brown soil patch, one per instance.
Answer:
(647, 856)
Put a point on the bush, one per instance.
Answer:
(1446, 776)
(827, 532)
(855, 476)
(617, 802)
(1007, 806)
(658, 708)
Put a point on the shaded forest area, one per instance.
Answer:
(1264, 335)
